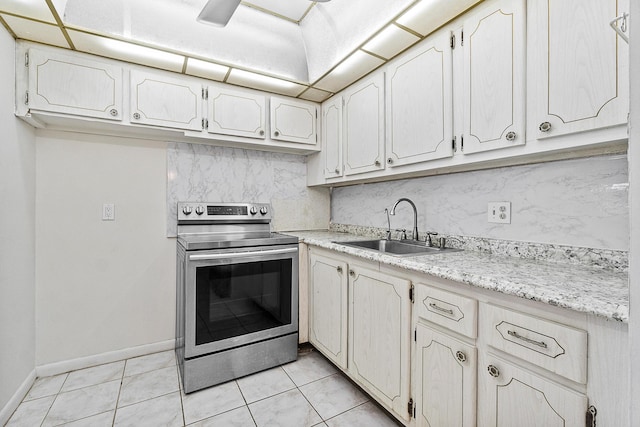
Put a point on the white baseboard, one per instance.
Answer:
(12, 404)
(100, 359)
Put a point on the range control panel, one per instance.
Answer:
(227, 212)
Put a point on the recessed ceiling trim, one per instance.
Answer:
(269, 12)
(27, 18)
(184, 64)
(409, 30)
(374, 54)
(304, 15)
(8, 28)
(226, 77)
(54, 12)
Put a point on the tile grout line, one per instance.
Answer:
(245, 403)
(115, 410)
(54, 399)
(184, 419)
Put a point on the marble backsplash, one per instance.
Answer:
(579, 203)
(198, 172)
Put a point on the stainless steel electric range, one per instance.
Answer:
(237, 293)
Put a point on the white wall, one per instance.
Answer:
(102, 286)
(17, 238)
(580, 202)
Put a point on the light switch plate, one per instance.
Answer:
(499, 212)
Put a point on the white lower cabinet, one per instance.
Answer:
(328, 307)
(445, 389)
(379, 335)
(509, 395)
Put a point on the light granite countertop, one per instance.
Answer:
(595, 291)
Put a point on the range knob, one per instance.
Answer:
(200, 210)
(187, 210)
(264, 210)
(253, 210)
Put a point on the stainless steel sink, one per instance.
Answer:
(398, 247)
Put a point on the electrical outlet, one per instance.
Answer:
(108, 212)
(499, 212)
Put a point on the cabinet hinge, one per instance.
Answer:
(26, 59)
(453, 143)
(462, 38)
(415, 334)
(205, 123)
(410, 407)
(205, 93)
(461, 142)
(411, 289)
(453, 41)
(591, 416)
(26, 98)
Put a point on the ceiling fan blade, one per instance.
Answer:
(218, 12)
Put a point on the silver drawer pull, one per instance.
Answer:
(527, 340)
(438, 308)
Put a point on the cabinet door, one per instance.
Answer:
(494, 76)
(328, 308)
(235, 112)
(293, 120)
(379, 335)
(512, 396)
(160, 100)
(579, 67)
(419, 104)
(71, 85)
(363, 124)
(332, 137)
(446, 374)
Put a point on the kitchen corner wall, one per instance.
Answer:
(199, 172)
(17, 238)
(580, 202)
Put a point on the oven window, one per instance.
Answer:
(237, 299)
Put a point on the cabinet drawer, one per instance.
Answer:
(447, 309)
(558, 348)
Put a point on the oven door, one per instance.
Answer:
(235, 297)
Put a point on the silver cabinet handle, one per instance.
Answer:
(377, 163)
(461, 356)
(261, 133)
(527, 340)
(438, 308)
(113, 112)
(276, 133)
(511, 136)
(493, 371)
(545, 127)
(136, 116)
(352, 273)
(337, 170)
(389, 160)
(339, 269)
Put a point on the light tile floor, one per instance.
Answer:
(145, 391)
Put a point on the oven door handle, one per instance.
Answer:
(203, 257)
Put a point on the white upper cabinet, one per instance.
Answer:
(70, 85)
(293, 120)
(160, 100)
(578, 66)
(493, 43)
(363, 126)
(332, 137)
(236, 112)
(419, 104)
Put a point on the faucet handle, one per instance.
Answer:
(404, 233)
(430, 234)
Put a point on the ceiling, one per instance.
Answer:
(297, 48)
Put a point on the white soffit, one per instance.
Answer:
(124, 51)
(36, 31)
(428, 15)
(313, 94)
(354, 67)
(390, 41)
(252, 39)
(36, 9)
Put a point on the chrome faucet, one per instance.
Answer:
(414, 233)
(386, 211)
